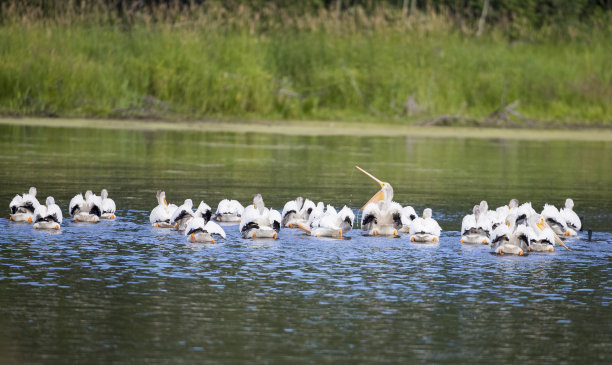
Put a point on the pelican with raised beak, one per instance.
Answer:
(381, 215)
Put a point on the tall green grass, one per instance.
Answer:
(204, 63)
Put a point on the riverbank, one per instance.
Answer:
(368, 67)
(320, 128)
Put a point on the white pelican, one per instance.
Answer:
(505, 210)
(48, 216)
(200, 230)
(108, 206)
(523, 212)
(161, 214)
(542, 238)
(86, 210)
(425, 229)
(229, 211)
(330, 223)
(23, 207)
(182, 215)
(571, 218)
(407, 215)
(259, 221)
(296, 211)
(511, 239)
(475, 228)
(553, 217)
(381, 215)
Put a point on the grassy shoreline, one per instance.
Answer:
(370, 68)
(319, 128)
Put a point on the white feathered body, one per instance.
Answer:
(475, 231)
(182, 215)
(256, 224)
(23, 207)
(511, 240)
(407, 215)
(48, 217)
(86, 210)
(331, 223)
(295, 212)
(108, 208)
(425, 230)
(202, 231)
(229, 211)
(557, 223)
(382, 218)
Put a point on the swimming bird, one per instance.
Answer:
(553, 218)
(407, 215)
(296, 211)
(508, 238)
(161, 214)
(88, 209)
(542, 237)
(425, 229)
(523, 212)
(108, 206)
(48, 216)
(229, 211)
(200, 230)
(475, 228)
(571, 218)
(182, 215)
(259, 221)
(330, 223)
(381, 215)
(23, 207)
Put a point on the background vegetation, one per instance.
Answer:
(431, 62)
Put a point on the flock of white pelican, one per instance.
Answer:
(509, 229)
(91, 208)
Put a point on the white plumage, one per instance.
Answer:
(23, 207)
(425, 229)
(48, 216)
(229, 211)
(330, 223)
(571, 218)
(407, 215)
(296, 211)
(108, 206)
(259, 221)
(161, 214)
(475, 227)
(88, 209)
(381, 215)
(182, 215)
(200, 230)
(553, 217)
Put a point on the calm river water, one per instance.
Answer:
(124, 292)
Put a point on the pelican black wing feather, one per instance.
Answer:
(249, 226)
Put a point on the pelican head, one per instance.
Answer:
(188, 203)
(484, 206)
(50, 201)
(259, 203)
(32, 191)
(299, 201)
(514, 203)
(427, 213)
(384, 194)
(569, 204)
(104, 194)
(476, 211)
(88, 193)
(161, 197)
